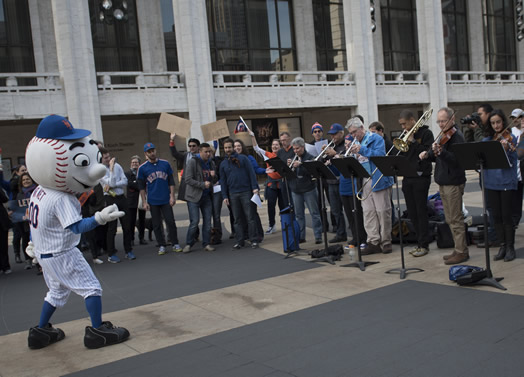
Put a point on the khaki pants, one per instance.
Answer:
(377, 216)
(452, 201)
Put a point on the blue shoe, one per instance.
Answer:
(130, 255)
(113, 259)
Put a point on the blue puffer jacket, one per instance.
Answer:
(502, 179)
(373, 145)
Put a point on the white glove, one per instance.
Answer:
(108, 214)
(251, 133)
(30, 249)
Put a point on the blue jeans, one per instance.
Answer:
(194, 209)
(335, 203)
(310, 199)
(241, 204)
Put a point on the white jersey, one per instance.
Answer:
(50, 213)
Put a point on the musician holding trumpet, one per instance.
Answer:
(451, 178)
(335, 203)
(419, 139)
(376, 194)
(304, 191)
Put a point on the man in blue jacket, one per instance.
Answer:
(238, 184)
(376, 205)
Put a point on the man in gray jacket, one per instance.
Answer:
(199, 176)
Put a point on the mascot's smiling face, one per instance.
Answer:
(63, 158)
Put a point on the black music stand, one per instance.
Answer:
(318, 170)
(397, 166)
(480, 156)
(286, 173)
(349, 167)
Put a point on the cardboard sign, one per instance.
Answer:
(173, 124)
(215, 130)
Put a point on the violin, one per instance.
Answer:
(446, 136)
(508, 136)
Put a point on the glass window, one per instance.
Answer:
(251, 35)
(330, 35)
(499, 29)
(16, 43)
(168, 24)
(399, 35)
(116, 43)
(455, 30)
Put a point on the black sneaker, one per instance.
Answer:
(254, 245)
(238, 246)
(105, 335)
(42, 337)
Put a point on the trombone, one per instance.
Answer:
(402, 145)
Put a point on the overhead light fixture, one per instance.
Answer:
(110, 11)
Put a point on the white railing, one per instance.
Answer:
(139, 80)
(400, 78)
(487, 78)
(30, 82)
(244, 79)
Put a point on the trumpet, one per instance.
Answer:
(349, 147)
(324, 150)
(293, 161)
(402, 145)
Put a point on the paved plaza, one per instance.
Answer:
(252, 313)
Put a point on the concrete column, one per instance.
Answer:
(477, 52)
(195, 61)
(77, 65)
(432, 56)
(305, 35)
(359, 47)
(152, 47)
(377, 39)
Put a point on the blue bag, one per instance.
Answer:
(457, 271)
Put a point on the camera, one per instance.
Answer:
(475, 117)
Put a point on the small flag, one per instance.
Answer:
(241, 127)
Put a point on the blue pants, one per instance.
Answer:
(194, 209)
(310, 199)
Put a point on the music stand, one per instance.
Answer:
(286, 173)
(318, 170)
(397, 166)
(474, 156)
(349, 167)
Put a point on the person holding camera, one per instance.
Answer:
(477, 123)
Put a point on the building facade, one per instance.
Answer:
(114, 66)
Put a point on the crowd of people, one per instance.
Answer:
(209, 181)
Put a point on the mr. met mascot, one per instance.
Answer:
(66, 162)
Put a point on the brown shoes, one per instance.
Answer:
(457, 258)
(446, 257)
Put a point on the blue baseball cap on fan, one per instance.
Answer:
(59, 128)
(335, 127)
(148, 146)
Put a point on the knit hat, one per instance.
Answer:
(317, 126)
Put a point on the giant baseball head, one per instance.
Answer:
(63, 158)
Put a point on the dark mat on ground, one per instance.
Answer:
(406, 329)
(148, 279)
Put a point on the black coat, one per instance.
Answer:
(133, 191)
(5, 223)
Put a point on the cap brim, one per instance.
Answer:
(77, 134)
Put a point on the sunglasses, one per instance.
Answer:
(193, 145)
(317, 132)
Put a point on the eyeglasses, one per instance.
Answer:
(193, 145)
(317, 132)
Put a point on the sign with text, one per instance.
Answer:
(215, 130)
(173, 124)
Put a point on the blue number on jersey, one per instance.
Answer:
(33, 215)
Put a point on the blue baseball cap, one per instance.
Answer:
(148, 146)
(59, 128)
(335, 127)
